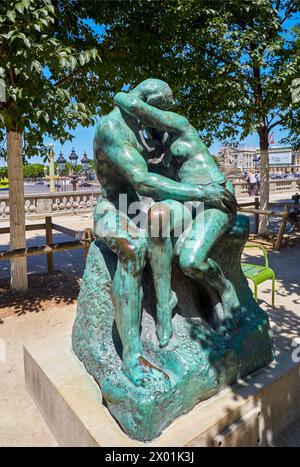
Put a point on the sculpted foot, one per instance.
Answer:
(164, 329)
(142, 372)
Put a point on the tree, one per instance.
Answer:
(3, 173)
(46, 73)
(261, 63)
(231, 63)
(33, 170)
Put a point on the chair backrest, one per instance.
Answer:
(253, 245)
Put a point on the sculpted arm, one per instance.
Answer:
(154, 117)
(133, 166)
(149, 115)
(170, 121)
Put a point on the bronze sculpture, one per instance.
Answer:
(201, 344)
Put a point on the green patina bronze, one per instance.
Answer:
(165, 317)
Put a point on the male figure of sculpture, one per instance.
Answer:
(122, 169)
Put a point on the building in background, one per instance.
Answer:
(296, 161)
(282, 160)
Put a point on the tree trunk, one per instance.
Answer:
(264, 179)
(18, 267)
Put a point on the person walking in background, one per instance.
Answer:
(252, 184)
(257, 176)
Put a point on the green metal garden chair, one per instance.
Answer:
(259, 273)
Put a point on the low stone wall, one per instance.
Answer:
(53, 203)
(276, 186)
(73, 201)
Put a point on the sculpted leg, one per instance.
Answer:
(195, 262)
(128, 242)
(160, 253)
(128, 296)
(163, 218)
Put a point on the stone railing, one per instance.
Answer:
(75, 201)
(276, 186)
(53, 203)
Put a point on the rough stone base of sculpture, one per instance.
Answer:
(198, 359)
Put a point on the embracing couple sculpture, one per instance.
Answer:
(155, 357)
(190, 174)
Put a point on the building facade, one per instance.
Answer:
(282, 160)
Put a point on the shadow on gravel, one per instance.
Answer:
(44, 290)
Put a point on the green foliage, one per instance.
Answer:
(92, 164)
(46, 72)
(33, 171)
(231, 63)
(77, 168)
(3, 173)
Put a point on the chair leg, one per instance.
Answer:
(255, 291)
(273, 291)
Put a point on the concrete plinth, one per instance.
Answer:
(247, 414)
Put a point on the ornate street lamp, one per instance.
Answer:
(73, 160)
(61, 162)
(85, 161)
(61, 165)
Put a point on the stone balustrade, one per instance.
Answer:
(74, 201)
(53, 203)
(276, 186)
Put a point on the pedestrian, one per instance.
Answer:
(257, 176)
(252, 184)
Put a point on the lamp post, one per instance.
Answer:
(85, 162)
(73, 160)
(51, 168)
(61, 165)
(61, 162)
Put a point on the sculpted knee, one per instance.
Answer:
(130, 251)
(159, 221)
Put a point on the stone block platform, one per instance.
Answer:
(200, 359)
(249, 413)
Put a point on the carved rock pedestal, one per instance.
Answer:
(199, 360)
